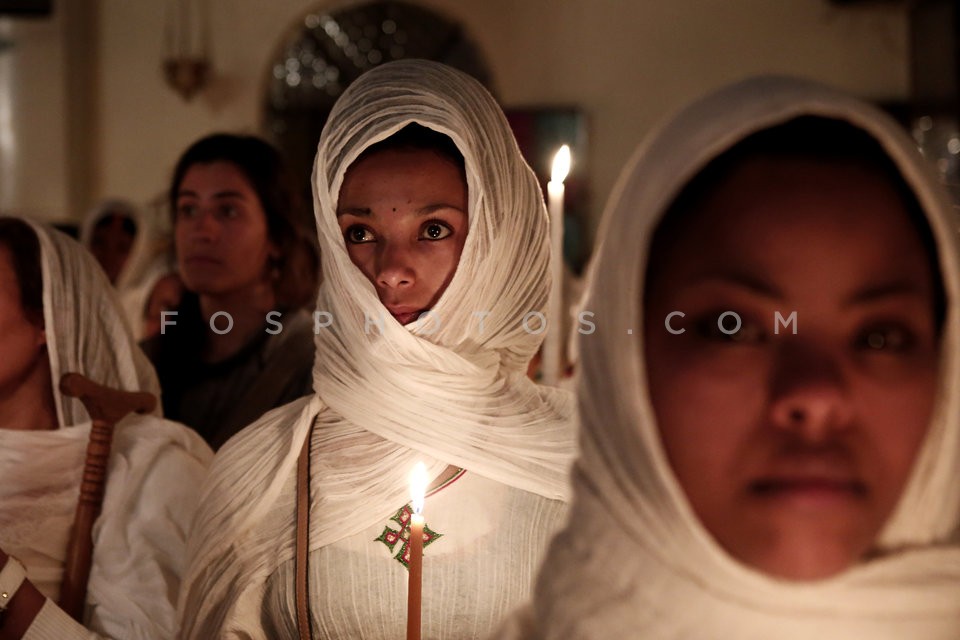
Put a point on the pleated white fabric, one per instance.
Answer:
(634, 562)
(86, 332)
(457, 394)
(154, 468)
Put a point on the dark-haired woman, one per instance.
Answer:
(240, 343)
(134, 250)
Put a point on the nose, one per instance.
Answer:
(394, 269)
(808, 391)
(202, 226)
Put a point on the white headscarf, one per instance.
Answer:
(634, 561)
(455, 395)
(86, 333)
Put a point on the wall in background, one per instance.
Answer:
(33, 139)
(625, 63)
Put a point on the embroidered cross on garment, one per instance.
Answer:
(392, 537)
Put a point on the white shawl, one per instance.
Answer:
(454, 395)
(86, 331)
(634, 562)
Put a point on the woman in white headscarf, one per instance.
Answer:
(75, 325)
(749, 475)
(135, 253)
(448, 388)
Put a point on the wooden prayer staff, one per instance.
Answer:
(106, 407)
(418, 489)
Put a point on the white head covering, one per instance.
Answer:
(86, 332)
(634, 561)
(461, 393)
(454, 395)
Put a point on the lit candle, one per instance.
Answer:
(418, 488)
(553, 343)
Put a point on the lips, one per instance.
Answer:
(771, 486)
(808, 490)
(201, 260)
(404, 314)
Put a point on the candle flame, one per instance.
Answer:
(561, 164)
(418, 486)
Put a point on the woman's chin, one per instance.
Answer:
(406, 318)
(802, 561)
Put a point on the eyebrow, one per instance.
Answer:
(753, 284)
(361, 212)
(365, 212)
(869, 294)
(218, 194)
(884, 290)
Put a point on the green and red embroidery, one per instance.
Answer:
(393, 538)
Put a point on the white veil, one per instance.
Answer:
(89, 334)
(634, 562)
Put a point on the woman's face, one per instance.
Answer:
(23, 357)
(793, 448)
(403, 214)
(223, 245)
(111, 244)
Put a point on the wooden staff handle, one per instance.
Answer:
(106, 407)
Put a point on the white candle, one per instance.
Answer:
(551, 363)
(418, 490)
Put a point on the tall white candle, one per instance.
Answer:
(551, 363)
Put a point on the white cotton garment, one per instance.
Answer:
(153, 471)
(634, 561)
(486, 541)
(454, 395)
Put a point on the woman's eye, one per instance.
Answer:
(435, 231)
(723, 328)
(886, 338)
(358, 235)
(229, 212)
(186, 210)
